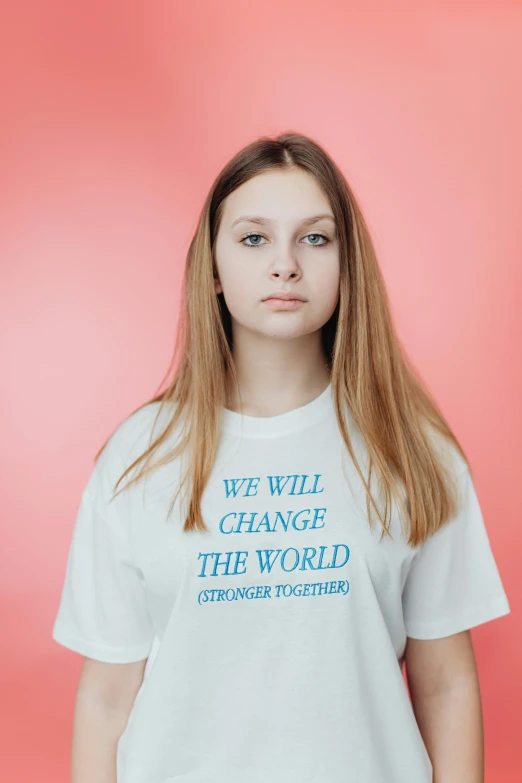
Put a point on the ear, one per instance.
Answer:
(218, 287)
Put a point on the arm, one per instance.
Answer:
(105, 695)
(445, 693)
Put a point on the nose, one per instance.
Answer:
(285, 267)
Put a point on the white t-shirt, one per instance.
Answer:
(275, 642)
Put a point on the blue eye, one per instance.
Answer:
(326, 240)
(249, 236)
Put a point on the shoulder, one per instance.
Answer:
(139, 428)
(128, 441)
(447, 451)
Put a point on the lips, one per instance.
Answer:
(281, 303)
(286, 297)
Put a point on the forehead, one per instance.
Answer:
(277, 197)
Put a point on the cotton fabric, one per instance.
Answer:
(275, 641)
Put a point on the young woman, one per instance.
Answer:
(261, 547)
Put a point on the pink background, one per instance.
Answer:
(116, 117)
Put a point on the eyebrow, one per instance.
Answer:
(263, 221)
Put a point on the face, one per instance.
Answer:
(290, 251)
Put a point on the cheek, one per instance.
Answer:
(240, 291)
(326, 287)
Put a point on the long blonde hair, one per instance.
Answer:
(369, 369)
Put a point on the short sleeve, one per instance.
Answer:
(453, 583)
(103, 610)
